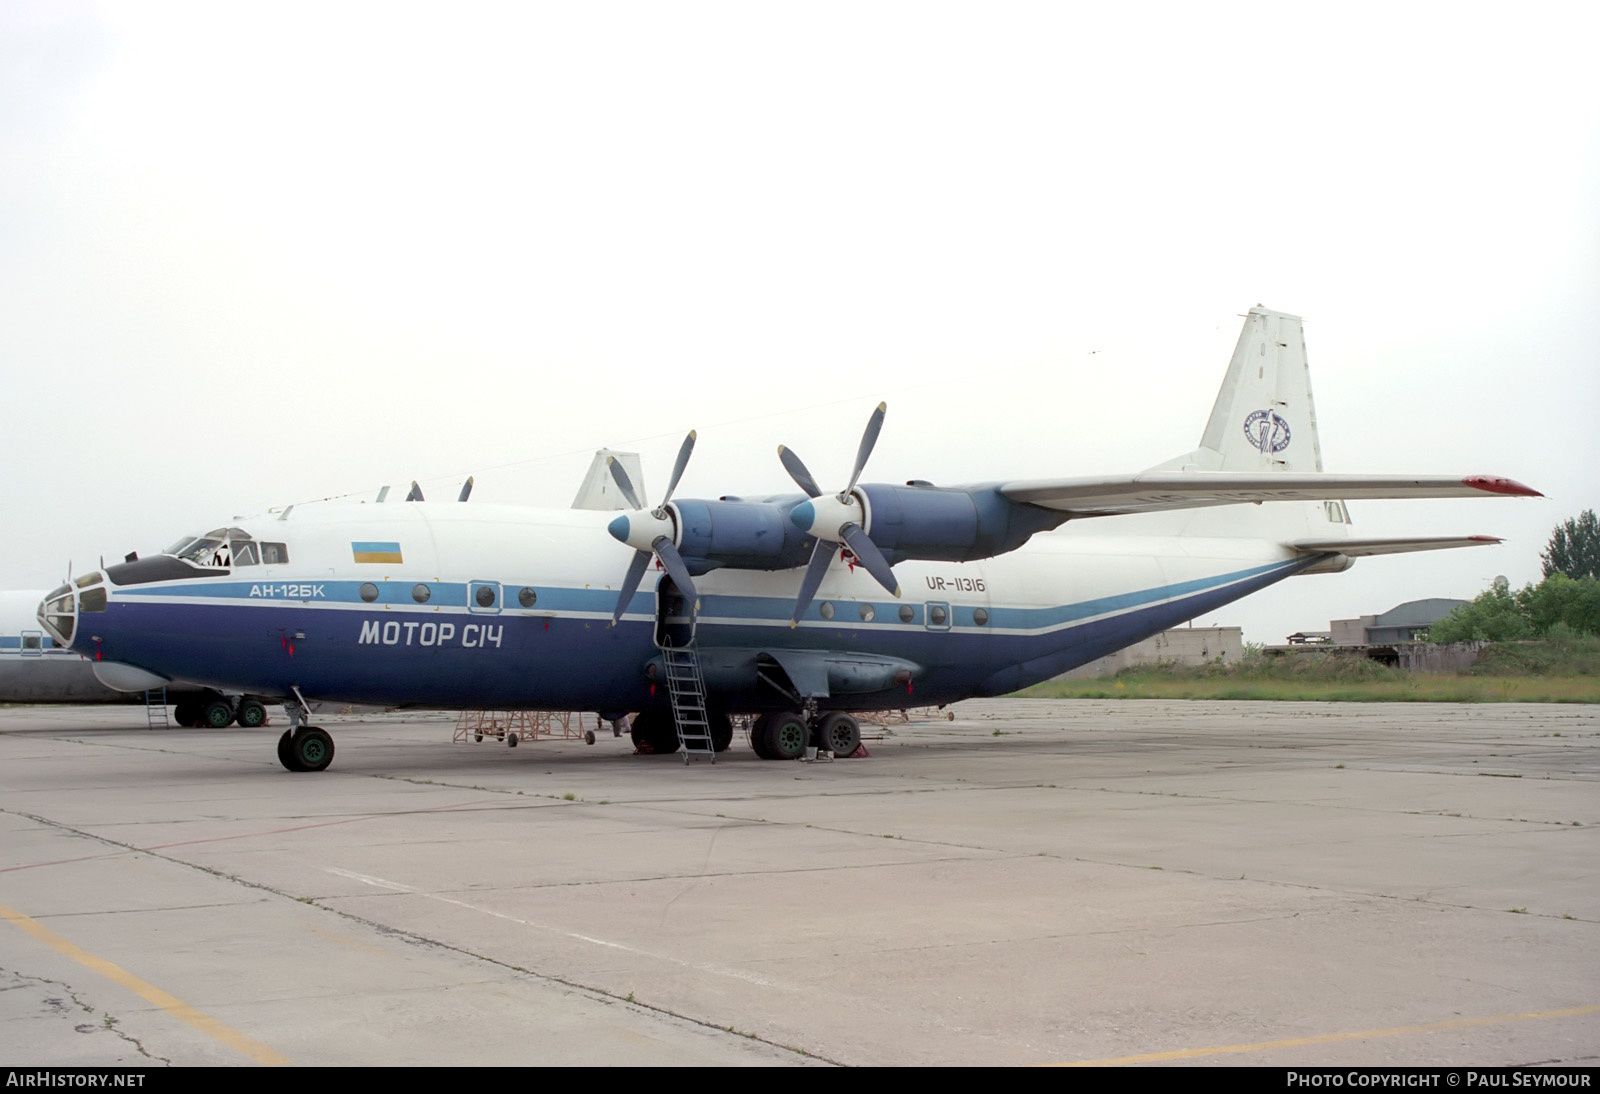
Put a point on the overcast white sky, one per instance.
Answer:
(253, 254)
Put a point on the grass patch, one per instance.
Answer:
(1557, 670)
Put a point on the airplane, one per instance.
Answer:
(796, 609)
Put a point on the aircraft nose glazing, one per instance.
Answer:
(58, 614)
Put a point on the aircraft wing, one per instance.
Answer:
(1158, 491)
(1360, 548)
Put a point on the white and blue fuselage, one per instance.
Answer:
(495, 607)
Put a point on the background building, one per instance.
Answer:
(1184, 645)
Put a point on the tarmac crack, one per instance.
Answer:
(107, 1021)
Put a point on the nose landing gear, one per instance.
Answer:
(303, 747)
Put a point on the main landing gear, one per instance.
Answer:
(303, 747)
(654, 732)
(785, 735)
(213, 710)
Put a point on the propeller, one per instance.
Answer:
(650, 532)
(836, 518)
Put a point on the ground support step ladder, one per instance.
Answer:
(155, 709)
(688, 691)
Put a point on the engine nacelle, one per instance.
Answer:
(950, 525)
(742, 535)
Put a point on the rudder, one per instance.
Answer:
(1264, 418)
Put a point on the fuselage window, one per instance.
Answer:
(867, 613)
(421, 593)
(527, 598)
(980, 616)
(32, 642)
(907, 613)
(936, 615)
(485, 596)
(826, 611)
(369, 592)
(274, 554)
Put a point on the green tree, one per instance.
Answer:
(1558, 601)
(1495, 615)
(1574, 548)
(1558, 604)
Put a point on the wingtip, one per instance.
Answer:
(1493, 484)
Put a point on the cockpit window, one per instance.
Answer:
(210, 549)
(225, 547)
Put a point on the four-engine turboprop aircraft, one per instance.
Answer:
(798, 608)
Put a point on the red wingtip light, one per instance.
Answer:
(1493, 485)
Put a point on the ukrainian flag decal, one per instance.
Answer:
(376, 552)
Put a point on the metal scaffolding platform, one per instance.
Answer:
(512, 726)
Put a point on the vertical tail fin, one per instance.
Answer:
(1264, 418)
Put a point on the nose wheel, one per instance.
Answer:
(305, 749)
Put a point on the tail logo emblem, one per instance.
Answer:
(1266, 431)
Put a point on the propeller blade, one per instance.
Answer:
(630, 583)
(416, 492)
(466, 489)
(868, 555)
(869, 438)
(821, 557)
(797, 472)
(673, 561)
(677, 468)
(624, 483)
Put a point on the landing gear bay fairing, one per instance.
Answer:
(799, 609)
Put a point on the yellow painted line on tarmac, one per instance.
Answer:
(1331, 1038)
(180, 1010)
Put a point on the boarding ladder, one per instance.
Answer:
(155, 709)
(687, 689)
(675, 626)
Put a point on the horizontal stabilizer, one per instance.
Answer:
(1358, 548)
(1156, 492)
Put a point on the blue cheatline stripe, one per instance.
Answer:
(14, 642)
(557, 599)
(714, 606)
